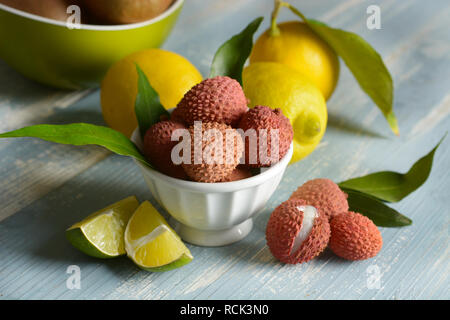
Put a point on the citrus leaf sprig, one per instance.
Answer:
(367, 194)
(79, 134)
(230, 58)
(375, 210)
(148, 107)
(392, 186)
(361, 58)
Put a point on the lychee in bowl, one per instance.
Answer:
(213, 214)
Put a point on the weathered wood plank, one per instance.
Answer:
(30, 168)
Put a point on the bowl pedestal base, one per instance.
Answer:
(212, 238)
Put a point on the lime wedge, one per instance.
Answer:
(100, 235)
(152, 244)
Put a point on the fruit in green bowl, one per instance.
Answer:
(126, 11)
(52, 9)
(47, 51)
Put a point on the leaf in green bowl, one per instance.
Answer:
(375, 210)
(230, 58)
(393, 186)
(79, 134)
(364, 62)
(148, 107)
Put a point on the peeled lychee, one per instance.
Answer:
(219, 99)
(323, 194)
(297, 232)
(216, 150)
(354, 236)
(158, 147)
(268, 136)
(238, 174)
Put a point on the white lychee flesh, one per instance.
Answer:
(309, 215)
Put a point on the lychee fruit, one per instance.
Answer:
(297, 232)
(268, 136)
(238, 174)
(158, 148)
(176, 116)
(323, 194)
(354, 236)
(219, 99)
(216, 150)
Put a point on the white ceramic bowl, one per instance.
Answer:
(213, 214)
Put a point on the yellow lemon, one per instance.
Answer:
(100, 235)
(278, 86)
(297, 46)
(152, 244)
(170, 74)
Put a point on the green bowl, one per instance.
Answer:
(47, 51)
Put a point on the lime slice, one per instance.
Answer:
(100, 235)
(152, 244)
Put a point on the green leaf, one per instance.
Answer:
(148, 108)
(78, 134)
(363, 61)
(392, 186)
(230, 58)
(375, 210)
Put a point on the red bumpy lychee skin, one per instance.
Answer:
(262, 117)
(323, 194)
(219, 99)
(219, 150)
(158, 148)
(354, 236)
(238, 174)
(283, 227)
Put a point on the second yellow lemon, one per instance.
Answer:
(278, 86)
(170, 74)
(298, 47)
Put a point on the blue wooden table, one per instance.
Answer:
(46, 187)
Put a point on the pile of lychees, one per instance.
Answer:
(316, 216)
(214, 110)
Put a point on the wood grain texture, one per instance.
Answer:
(45, 187)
